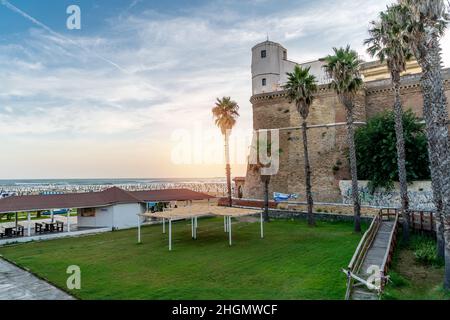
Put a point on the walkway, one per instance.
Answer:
(374, 257)
(18, 284)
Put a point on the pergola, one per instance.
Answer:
(193, 212)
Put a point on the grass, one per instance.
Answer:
(294, 261)
(415, 278)
(23, 216)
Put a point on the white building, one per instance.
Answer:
(270, 64)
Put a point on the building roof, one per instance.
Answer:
(107, 197)
(170, 195)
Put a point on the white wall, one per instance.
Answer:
(274, 67)
(120, 216)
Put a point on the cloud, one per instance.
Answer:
(149, 73)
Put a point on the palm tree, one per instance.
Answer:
(225, 113)
(301, 87)
(386, 43)
(343, 69)
(426, 22)
(258, 168)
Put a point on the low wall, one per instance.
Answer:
(420, 195)
(289, 214)
(344, 209)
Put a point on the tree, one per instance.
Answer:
(426, 21)
(386, 42)
(259, 167)
(225, 113)
(375, 150)
(301, 87)
(343, 69)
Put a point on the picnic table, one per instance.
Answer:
(13, 232)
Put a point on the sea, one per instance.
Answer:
(214, 186)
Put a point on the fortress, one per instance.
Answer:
(327, 146)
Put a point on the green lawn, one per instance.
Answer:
(294, 261)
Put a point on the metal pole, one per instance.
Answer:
(195, 228)
(52, 216)
(192, 227)
(262, 226)
(68, 221)
(139, 229)
(17, 217)
(170, 234)
(229, 229)
(225, 224)
(164, 225)
(29, 224)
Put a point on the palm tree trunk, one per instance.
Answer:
(266, 199)
(401, 157)
(353, 166)
(228, 169)
(309, 198)
(436, 116)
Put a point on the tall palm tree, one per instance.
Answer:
(426, 22)
(258, 167)
(301, 87)
(343, 68)
(225, 113)
(386, 42)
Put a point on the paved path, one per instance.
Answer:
(17, 284)
(374, 256)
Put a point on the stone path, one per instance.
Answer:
(374, 256)
(18, 284)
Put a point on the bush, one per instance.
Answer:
(376, 150)
(425, 251)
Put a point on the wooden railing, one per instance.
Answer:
(361, 251)
(364, 245)
(391, 246)
(422, 221)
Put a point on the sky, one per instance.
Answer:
(130, 93)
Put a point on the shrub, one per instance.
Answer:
(376, 150)
(425, 251)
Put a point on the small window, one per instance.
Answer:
(263, 54)
(264, 82)
(284, 55)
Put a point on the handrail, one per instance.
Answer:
(388, 253)
(361, 250)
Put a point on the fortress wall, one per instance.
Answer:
(328, 147)
(270, 113)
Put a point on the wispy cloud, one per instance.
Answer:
(150, 72)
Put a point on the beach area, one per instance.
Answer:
(19, 187)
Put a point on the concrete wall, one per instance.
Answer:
(420, 195)
(120, 216)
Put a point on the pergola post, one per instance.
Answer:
(170, 234)
(262, 226)
(164, 225)
(68, 221)
(139, 229)
(195, 228)
(229, 230)
(51, 215)
(192, 227)
(225, 224)
(29, 223)
(17, 219)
